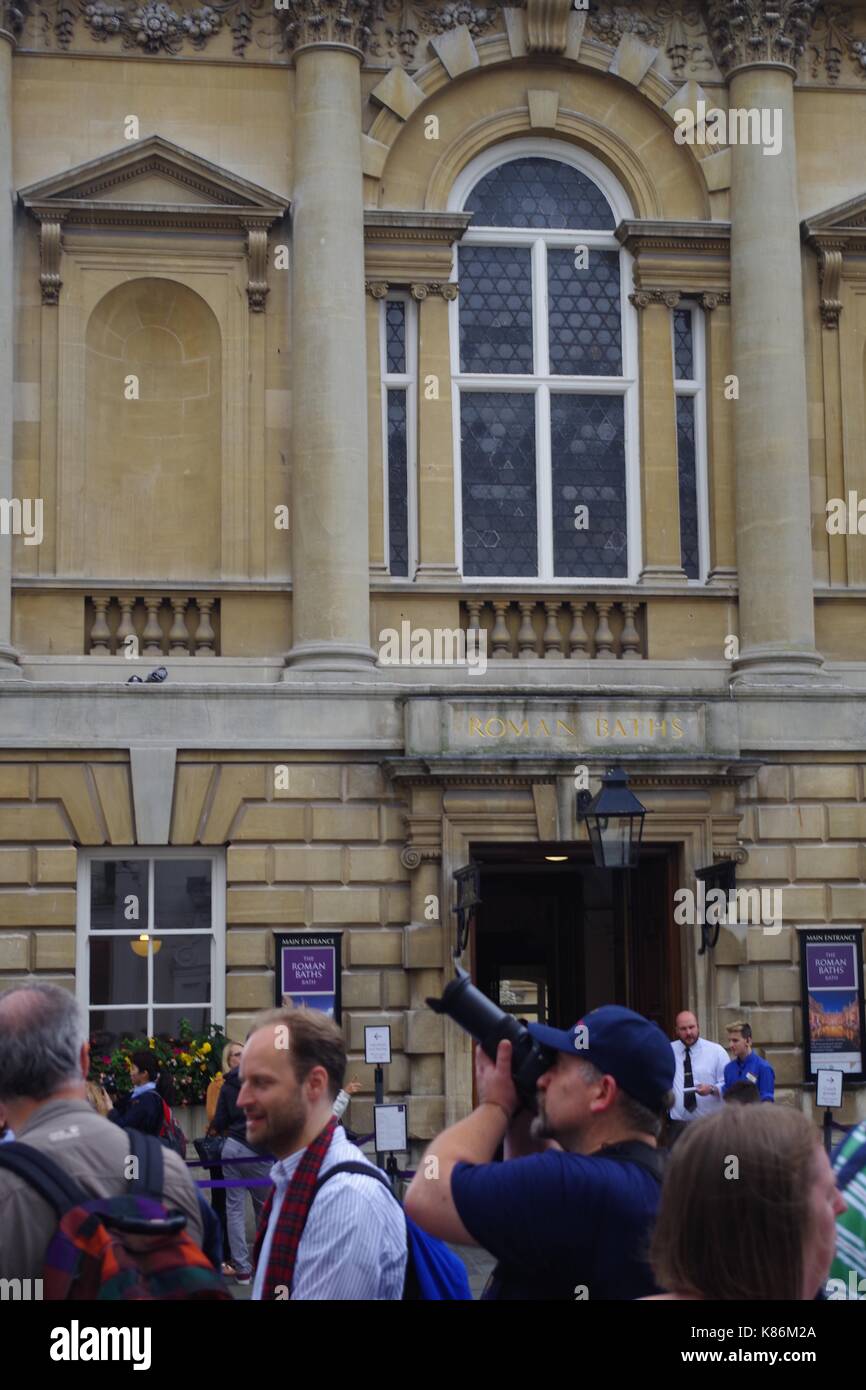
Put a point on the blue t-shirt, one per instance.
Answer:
(556, 1221)
(754, 1069)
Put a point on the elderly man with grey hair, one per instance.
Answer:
(44, 1060)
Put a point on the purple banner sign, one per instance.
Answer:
(831, 967)
(308, 970)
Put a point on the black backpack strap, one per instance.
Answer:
(353, 1166)
(151, 1169)
(42, 1174)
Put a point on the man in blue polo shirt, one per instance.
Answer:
(746, 1065)
(569, 1219)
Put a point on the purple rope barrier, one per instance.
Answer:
(233, 1182)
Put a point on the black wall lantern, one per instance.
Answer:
(614, 818)
(468, 880)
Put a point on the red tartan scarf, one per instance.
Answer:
(292, 1219)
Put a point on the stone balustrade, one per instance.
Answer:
(162, 624)
(559, 629)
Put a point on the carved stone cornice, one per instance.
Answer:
(326, 23)
(748, 33)
(411, 248)
(686, 258)
(547, 25)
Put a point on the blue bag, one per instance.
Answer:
(433, 1272)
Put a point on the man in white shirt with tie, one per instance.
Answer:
(700, 1072)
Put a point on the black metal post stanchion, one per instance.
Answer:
(379, 1084)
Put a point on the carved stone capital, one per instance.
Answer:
(737, 853)
(642, 298)
(421, 288)
(830, 278)
(13, 15)
(50, 246)
(377, 288)
(746, 33)
(712, 301)
(327, 23)
(413, 856)
(547, 25)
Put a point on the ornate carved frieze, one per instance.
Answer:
(689, 34)
(746, 32)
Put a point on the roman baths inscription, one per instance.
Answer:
(604, 727)
(564, 728)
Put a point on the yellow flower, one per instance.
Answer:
(206, 1047)
(151, 1043)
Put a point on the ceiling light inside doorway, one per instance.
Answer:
(556, 858)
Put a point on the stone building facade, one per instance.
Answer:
(328, 320)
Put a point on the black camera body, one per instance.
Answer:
(489, 1025)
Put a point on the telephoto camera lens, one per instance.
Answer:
(489, 1025)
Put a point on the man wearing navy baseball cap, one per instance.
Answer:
(569, 1213)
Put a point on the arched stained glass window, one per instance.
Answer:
(536, 192)
(545, 374)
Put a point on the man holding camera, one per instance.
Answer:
(568, 1220)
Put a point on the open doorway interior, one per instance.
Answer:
(556, 937)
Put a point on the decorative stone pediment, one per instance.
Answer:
(837, 235)
(153, 183)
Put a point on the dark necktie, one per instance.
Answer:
(690, 1100)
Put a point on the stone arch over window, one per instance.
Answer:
(586, 101)
(153, 368)
(544, 358)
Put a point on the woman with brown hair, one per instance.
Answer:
(748, 1209)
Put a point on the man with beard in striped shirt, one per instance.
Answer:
(347, 1241)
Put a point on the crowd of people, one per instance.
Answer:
(642, 1172)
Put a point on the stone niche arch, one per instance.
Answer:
(629, 127)
(153, 433)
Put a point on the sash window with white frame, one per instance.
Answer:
(398, 352)
(544, 359)
(151, 942)
(687, 325)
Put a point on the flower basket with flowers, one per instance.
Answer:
(191, 1061)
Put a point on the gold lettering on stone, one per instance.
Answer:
(489, 731)
(521, 730)
(475, 726)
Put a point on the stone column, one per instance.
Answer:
(330, 576)
(757, 47)
(660, 486)
(9, 667)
